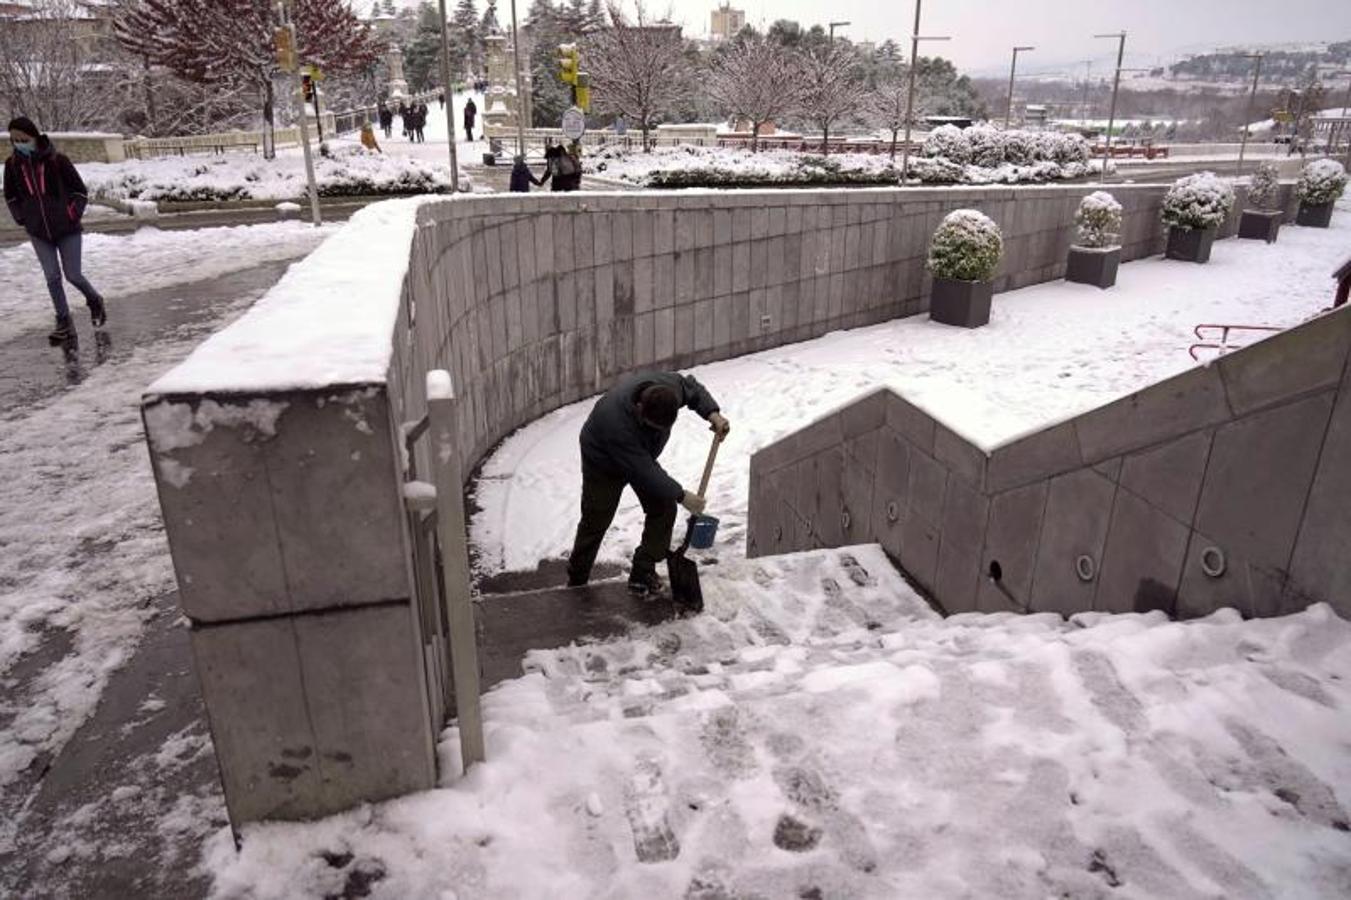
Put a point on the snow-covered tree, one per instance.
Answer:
(832, 87)
(1099, 220)
(1322, 181)
(1264, 187)
(465, 34)
(967, 246)
(230, 42)
(60, 82)
(757, 80)
(636, 71)
(1198, 201)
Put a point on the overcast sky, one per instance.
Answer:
(983, 31)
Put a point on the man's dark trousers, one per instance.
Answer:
(600, 498)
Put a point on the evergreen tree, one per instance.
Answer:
(422, 55)
(390, 8)
(549, 96)
(466, 34)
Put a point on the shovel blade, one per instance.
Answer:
(683, 575)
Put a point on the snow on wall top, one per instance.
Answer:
(330, 320)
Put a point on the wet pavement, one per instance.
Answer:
(31, 369)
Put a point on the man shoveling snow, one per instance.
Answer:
(621, 440)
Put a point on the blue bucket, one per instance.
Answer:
(704, 530)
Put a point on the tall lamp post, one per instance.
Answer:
(915, 38)
(833, 26)
(1247, 116)
(520, 94)
(1008, 110)
(1120, 36)
(450, 100)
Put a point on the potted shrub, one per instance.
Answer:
(1262, 213)
(1319, 186)
(1095, 256)
(1194, 208)
(963, 257)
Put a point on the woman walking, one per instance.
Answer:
(47, 198)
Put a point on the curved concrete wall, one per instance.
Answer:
(1243, 461)
(535, 302)
(282, 504)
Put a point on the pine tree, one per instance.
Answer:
(549, 96)
(229, 43)
(465, 33)
(422, 55)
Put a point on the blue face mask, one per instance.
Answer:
(25, 147)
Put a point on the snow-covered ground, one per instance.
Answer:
(819, 732)
(402, 167)
(1050, 351)
(144, 260)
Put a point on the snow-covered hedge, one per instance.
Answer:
(1099, 220)
(967, 246)
(349, 171)
(1198, 201)
(985, 155)
(1322, 181)
(1264, 187)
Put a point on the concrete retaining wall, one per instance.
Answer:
(282, 506)
(1241, 466)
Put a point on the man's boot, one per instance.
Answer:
(98, 315)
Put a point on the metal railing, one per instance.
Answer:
(344, 122)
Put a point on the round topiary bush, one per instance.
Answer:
(948, 142)
(1098, 220)
(1197, 202)
(966, 247)
(1264, 187)
(1321, 182)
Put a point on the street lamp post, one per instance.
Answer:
(1116, 82)
(915, 38)
(833, 26)
(1247, 116)
(450, 101)
(1008, 110)
(520, 94)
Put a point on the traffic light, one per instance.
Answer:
(568, 60)
(284, 41)
(307, 85)
(582, 92)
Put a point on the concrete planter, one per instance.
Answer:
(1093, 265)
(1190, 244)
(1260, 224)
(963, 303)
(1311, 216)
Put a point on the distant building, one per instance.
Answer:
(727, 23)
(867, 48)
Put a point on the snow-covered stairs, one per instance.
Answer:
(819, 731)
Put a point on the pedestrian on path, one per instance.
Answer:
(47, 197)
(621, 440)
(368, 138)
(470, 115)
(522, 177)
(441, 98)
(386, 117)
(421, 122)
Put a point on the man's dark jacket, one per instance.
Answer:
(616, 442)
(44, 192)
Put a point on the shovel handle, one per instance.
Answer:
(708, 466)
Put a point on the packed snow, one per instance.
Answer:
(819, 732)
(1050, 351)
(145, 260)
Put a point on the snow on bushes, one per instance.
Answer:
(1264, 187)
(1198, 201)
(1322, 181)
(350, 171)
(980, 155)
(1099, 220)
(966, 247)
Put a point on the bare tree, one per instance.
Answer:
(756, 80)
(832, 87)
(57, 69)
(638, 68)
(888, 103)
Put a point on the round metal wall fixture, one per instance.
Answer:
(1085, 568)
(845, 520)
(893, 511)
(1213, 562)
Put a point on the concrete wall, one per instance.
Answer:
(536, 302)
(283, 509)
(1248, 456)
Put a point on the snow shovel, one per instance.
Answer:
(682, 572)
